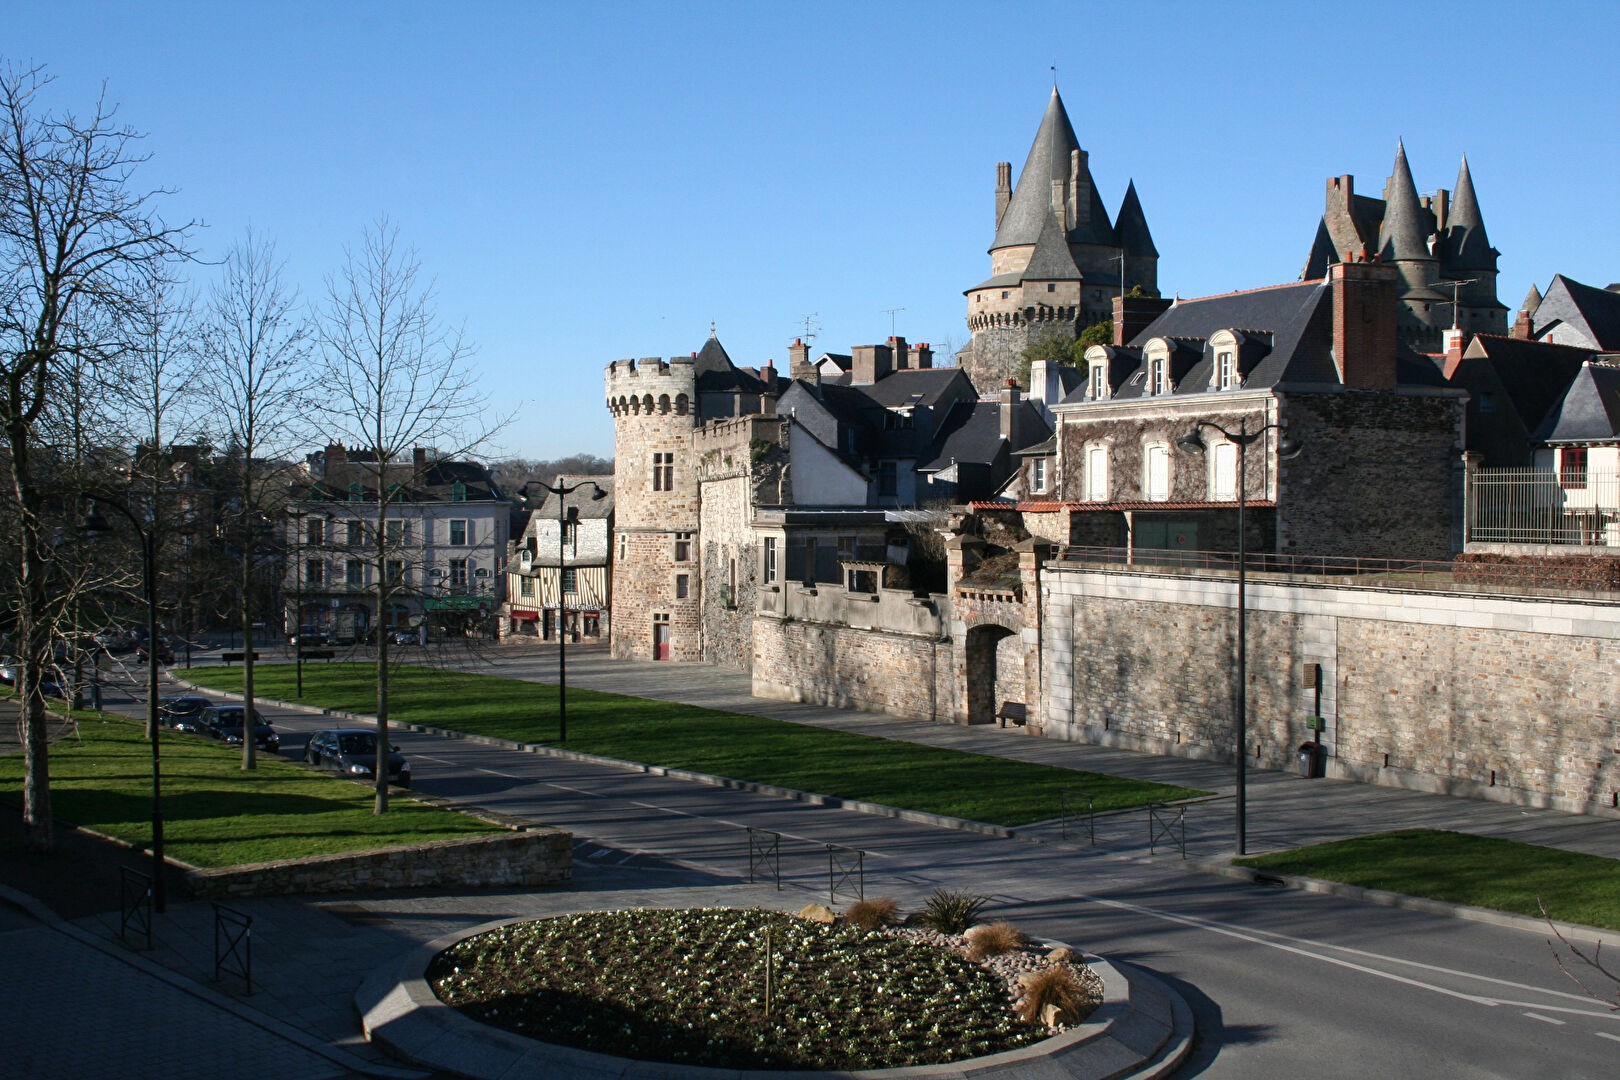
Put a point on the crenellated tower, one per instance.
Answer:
(1056, 262)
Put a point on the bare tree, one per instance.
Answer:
(79, 247)
(257, 344)
(394, 378)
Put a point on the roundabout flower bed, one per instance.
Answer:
(689, 987)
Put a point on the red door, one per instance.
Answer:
(660, 641)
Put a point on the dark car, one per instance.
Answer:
(165, 652)
(224, 722)
(183, 713)
(353, 752)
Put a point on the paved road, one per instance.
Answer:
(1283, 983)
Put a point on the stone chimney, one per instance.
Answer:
(334, 463)
(1364, 324)
(799, 365)
(869, 364)
(901, 353)
(1132, 314)
(1012, 413)
(922, 356)
(1003, 189)
(418, 460)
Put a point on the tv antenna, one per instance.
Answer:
(1456, 288)
(808, 334)
(892, 312)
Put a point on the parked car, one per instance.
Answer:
(115, 640)
(225, 723)
(406, 637)
(310, 635)
(165, 652)
(184, 712)
(8, 670)
(353, 752)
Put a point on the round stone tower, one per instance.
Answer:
(655, 567)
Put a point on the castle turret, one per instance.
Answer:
(1055, 260)
(655, 409)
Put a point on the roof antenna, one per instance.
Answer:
(810, 329)
(891, 312)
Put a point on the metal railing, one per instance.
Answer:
(765, 853)
(233, 945)
(134, 904)
(1167, 823)
(1078, 806)
(1539, 506)
(844, 867)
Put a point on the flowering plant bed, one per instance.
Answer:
(689, 987)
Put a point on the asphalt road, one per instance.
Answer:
(1283, 983)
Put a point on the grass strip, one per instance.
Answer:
(736, 745)
(1482, 871)
(215, 813)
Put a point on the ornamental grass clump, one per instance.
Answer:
(873, 914)
(1051, 996)
(951, 912)
(993, 939)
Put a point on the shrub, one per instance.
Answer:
(873, 914)
(1055, 989)
(993, 939)
(951, 912)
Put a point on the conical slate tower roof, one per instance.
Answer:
(1466, 245)
(1532, 300)
(1131, 227)
(1051, 260)
(1048, 161)
(1404, 233)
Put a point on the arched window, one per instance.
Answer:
(458, 492)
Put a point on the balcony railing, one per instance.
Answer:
(1539, 506)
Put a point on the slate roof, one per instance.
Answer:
(1595, 312)
(1465, 245)
(1534, 374)
(972, 434)
(714, 372)
(1589, 411)
(1031, 201)
(1404, 233)
(1051, 260)
(926, 385)
(1131, 228)
(433, 485)
(588, 507)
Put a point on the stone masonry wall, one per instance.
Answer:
(536, 856)
(1487, 696)
(876, 671)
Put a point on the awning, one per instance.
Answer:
(525, 616)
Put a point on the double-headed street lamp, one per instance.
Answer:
(1243, 438)
(95, 524)
(562, 491)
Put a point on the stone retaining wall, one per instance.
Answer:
(535, 856)
(906, 675)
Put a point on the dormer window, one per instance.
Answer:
(1158, 380)
(1226, 370)
(1099, 382)
(458, 492)
(357, 493)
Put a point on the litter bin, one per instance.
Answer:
(1310, 760)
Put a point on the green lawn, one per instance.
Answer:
(705, 740)
(1501, 874)
(214, 813)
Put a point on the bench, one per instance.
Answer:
(234, 657)
(1013, 712)
(316, 654)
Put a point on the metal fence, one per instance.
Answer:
(1539, 506)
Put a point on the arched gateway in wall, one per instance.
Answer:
(992, 670)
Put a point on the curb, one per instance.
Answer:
(50, 920)
(1385, 898)
(1142, 1029)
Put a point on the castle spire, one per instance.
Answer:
(1466, 245)
(1404, 234)
(1054, 158)
(1131, 227)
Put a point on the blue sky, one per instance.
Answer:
(590, 182)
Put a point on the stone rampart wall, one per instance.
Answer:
(1479, 695)
(535, 856)
(907, 675)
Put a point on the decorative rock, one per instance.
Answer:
(820, 913)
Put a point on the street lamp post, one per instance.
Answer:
(1243, 438)
(562, 491)
(93, 524)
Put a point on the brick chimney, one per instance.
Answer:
(418, 460)
(1132, 314)
(1523, 327)
(1364, 324)
(869, 364)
